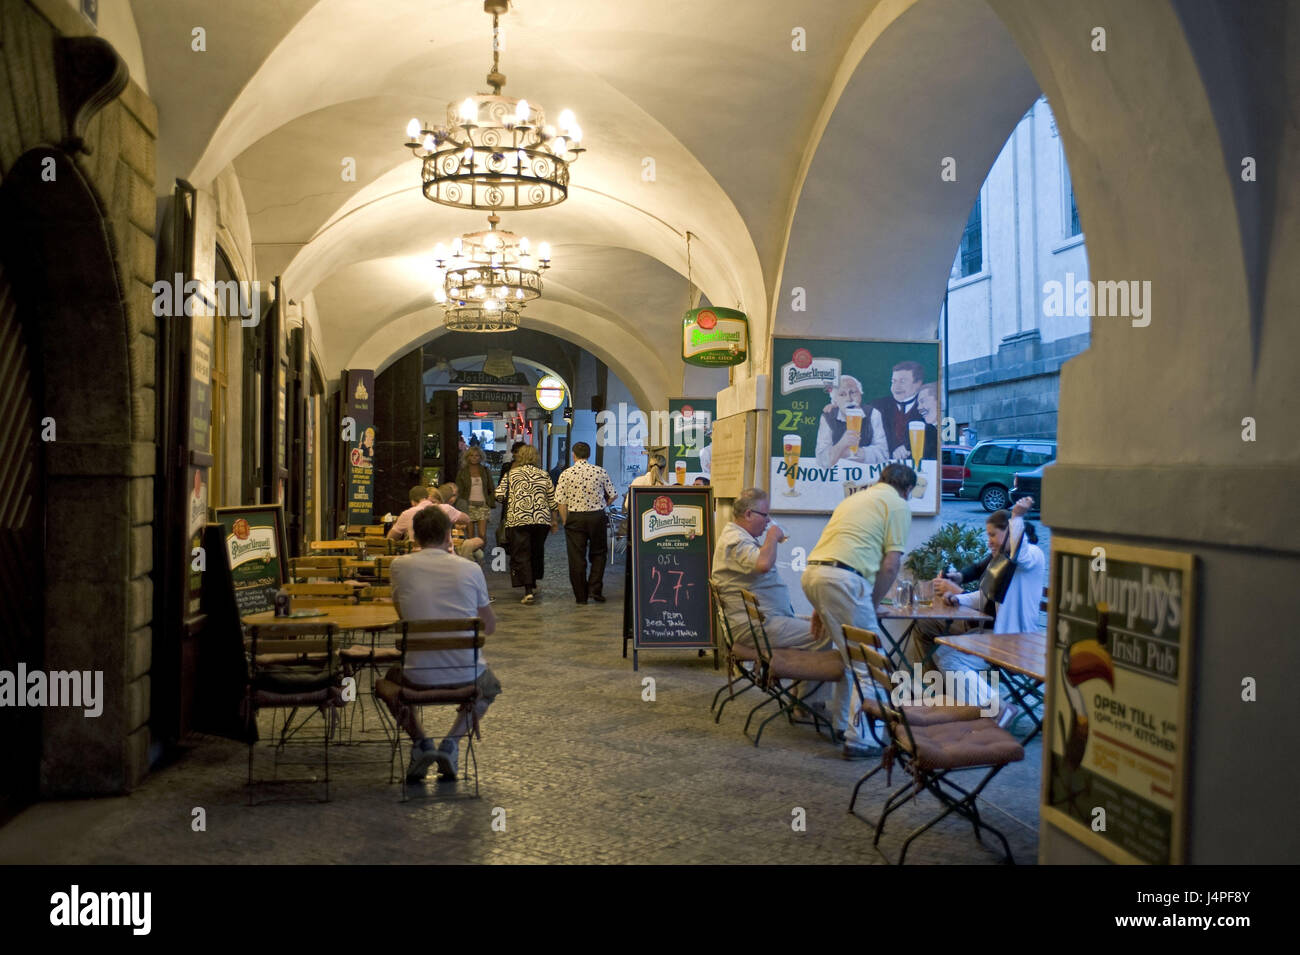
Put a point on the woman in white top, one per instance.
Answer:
(1009, 533)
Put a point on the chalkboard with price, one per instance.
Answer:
(672, 552)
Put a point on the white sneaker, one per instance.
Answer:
(448, 757)
(422, 756)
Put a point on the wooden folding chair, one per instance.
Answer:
(342, 593)
(375, 592)
(307, 569)
(742, 659)
(944, 710)
(291, 666)
(932, 754)
(781, 669)
(422, 636)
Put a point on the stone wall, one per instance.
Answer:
(99, 368)
(1012, 393)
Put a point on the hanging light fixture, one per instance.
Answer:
(486, 318)
(496, 152)
(491, 265)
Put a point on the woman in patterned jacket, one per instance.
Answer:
(530, 511)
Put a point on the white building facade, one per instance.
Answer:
(1003, 351)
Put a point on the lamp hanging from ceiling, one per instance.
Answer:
(492, 264)
(475, 318)
(496, 152)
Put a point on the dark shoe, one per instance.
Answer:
(859, 751)
(599, 598)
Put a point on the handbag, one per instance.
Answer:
(996, 580)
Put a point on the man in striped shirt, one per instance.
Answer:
(582, 494)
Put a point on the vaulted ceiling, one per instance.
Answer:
(712, 93)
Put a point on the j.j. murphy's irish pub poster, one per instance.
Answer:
(1116, 723)
(842, 410)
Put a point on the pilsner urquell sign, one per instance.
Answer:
(715, 336)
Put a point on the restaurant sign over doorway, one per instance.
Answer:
(713, 337)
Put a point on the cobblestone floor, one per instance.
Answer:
(584, 769)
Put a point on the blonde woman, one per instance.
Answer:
(474, 482)
(530, 510)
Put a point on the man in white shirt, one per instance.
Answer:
(582, 494)
(744, 558)
(434, 584)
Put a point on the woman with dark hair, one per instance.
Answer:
(530, 508)
(1013, 553)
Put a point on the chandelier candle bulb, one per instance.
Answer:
(413, 130)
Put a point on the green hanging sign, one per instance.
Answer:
(713, 337)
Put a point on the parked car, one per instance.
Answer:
(991, 468)
(1028, 483)
(954, 467)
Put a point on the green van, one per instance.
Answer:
(991, 468)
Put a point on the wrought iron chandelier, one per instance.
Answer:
(496, 152)
(490, 265)
(490, 317)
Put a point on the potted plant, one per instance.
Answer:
(953, 544)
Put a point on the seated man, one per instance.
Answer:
(401, 528)
(434, 584)
(741, 562)
(445, 497)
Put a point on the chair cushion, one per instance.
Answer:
(964, 743)
(361, 654)
(945, 712)
(822, 666)
(292, 679)
(332, 695)
(392, 692)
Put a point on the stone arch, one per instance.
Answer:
(75, 306)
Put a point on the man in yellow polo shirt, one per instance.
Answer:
(851, 569)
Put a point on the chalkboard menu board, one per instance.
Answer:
(671, 530)
(254, 550)
(1116, 723)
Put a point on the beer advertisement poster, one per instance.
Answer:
(255, 553)
(359, 387)
(691, 453)
(672, 552)
(842, 410)
(1116, 721)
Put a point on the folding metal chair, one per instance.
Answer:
(944, 710)
(781, 669)
(932, 754)
(742, 659)
(465, 634)
(291, 666)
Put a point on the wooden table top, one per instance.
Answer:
(1022, 653)
(936, 612)
(371, 615)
